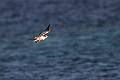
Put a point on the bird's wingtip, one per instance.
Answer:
(49, 25)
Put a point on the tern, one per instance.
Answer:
(42, 35)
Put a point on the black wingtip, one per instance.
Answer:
(49, 25)
(48, 28)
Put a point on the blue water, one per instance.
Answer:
(84, 42)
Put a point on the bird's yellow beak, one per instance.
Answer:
(48, 37)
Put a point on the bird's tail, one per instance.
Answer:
(31, 39)
(34, 39)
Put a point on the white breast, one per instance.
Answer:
(42, 37)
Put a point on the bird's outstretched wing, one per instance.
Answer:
(47, 30)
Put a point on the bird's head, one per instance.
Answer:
(47, 36)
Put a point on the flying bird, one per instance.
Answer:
(42, 35)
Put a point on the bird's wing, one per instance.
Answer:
(47, 30)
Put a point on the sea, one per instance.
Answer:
(84, 41)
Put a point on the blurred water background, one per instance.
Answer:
(84, 42)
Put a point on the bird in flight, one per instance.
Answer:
(42, 35)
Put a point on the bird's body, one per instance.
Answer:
(42, 35)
